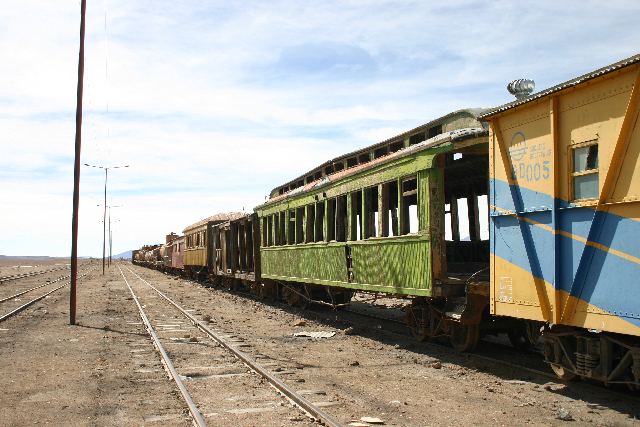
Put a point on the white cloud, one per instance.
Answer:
(213, 104)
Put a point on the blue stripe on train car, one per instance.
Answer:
(606, 279)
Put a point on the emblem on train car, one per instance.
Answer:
(518, 147)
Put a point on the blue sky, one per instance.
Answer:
(212, 104)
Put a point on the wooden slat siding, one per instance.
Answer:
(318, 261)
(399, 263)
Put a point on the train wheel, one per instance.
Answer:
(418, 317)
(305, 299)
(464, 337)
(562, 372)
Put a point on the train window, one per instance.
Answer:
(435, 131)
(396, 146)
(389, 199)
(299, 222)
(409, 214)
(318, 175)
(370, 216)
(328, 170)
(281, 229)
(584, 176)
(356, 215)
(331, 219)
(417, 138)
(311, 218)
(265, 231)
(383, 151)
(309, 179)
(300, 183)
(352, 162)
(339, 166)
(291, 234)
(364, 158)
(341, 218)
(249, 244)
(319, 221)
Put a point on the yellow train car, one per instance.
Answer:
(565, 221)
(199, 244)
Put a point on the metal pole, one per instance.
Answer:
(109, 237)
(104, 222)
(76, 173)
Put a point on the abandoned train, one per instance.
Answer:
(552, 176)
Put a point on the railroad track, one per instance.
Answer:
(192, 367)
(31, 274)
(400, 331)
(15, 297)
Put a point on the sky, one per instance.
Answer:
(212, 104)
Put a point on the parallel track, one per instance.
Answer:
(31, 274)
(298, 400)
(22, 307)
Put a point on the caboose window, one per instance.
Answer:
(584, 176)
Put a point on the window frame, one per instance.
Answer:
(573, 175)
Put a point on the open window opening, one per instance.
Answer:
(299, 223)
(396, 146)
(434, 131)
(291, 231)
(331, 219)
(417, 138)
(356, 212)
(319, 222)
(317, 176)
(382, 151)
(409, 214)
(311, 218)
(338, 166)
(328, 170)
(249, 243)
(309, 179)
(352, 162)
(389, 213)
(466, 213)
(364, 158)
(241, 263)
(341, 218)
(227, 251)
(370, 225)
(281, 229)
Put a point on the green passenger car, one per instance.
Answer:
(374, 220)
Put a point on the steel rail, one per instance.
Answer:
(33, 273)
(195, 413)
(294, 397)
(33, 289)
(22, 307)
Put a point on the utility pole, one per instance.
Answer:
(76, 173)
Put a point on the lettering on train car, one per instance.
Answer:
(535, 168)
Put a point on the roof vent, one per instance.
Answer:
(521, 88)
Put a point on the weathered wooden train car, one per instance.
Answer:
(235, 258)
(177, 255)
(377, 220)
(565, 220)
(198, 244)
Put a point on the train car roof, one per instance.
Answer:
(459, 136)
(221, 217)
(574, 82)
(438, 139)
